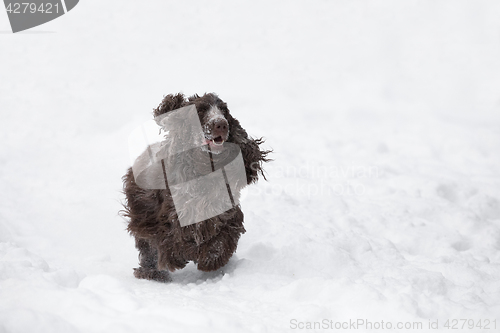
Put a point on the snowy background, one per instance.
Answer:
(383, 202)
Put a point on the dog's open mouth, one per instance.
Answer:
(216, 144)
(218, 141)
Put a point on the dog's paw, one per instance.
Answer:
(152, 274)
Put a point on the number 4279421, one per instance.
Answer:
(456, 324)
(27, 7)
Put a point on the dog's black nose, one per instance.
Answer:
(220, 128)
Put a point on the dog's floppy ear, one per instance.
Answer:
(169, 103)
(253, 156)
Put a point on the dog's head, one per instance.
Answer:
(216, 121)
(213, 115)
(220, 131)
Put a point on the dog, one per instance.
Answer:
(160, 195)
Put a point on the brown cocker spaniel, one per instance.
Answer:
(162, 240)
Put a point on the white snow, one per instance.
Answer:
(383, 202)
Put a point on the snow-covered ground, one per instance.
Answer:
(383, 202)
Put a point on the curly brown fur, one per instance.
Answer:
(162, 242)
